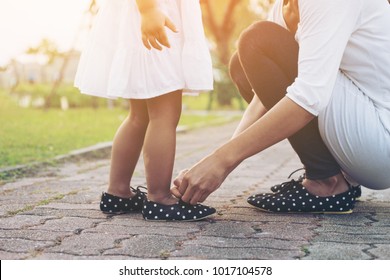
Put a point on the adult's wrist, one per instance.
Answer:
(225, 160)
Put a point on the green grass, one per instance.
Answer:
(30, 135)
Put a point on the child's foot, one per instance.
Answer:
(179, 211)
(111, 204)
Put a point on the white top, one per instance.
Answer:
(352, 36)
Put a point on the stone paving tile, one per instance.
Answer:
(59, 213)
(68, 257)
(23, 182)
(19, 245)
(13, 256)
(354, 230)
(287, 231)
(380, 251)
(60, 205)
(68, 224)
(358, 237)
(38, 235)
(147, 246)
(372, 207)
(8, 209)
(356, 220)
(23, 221)
(229, 229)
(86, 243)
(56, 215)
(212, 253)
(251, 214)
(337, 251)
(258, 242)
(140, 230)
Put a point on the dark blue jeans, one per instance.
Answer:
(267, 62)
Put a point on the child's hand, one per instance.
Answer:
(153, 24)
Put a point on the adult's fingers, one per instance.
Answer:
(191, 193)
(195, 199)
(180, 177)
(182, 188)
(203, 197)
(175, 192)
(177, 182)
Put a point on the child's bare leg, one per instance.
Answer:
(126, 148)
(160, 145)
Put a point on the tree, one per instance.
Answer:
(224, 20)
(50, 50)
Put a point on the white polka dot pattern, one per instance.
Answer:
(180, 211)
(111, 204)
(297, 199)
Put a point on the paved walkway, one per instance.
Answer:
(55, 215)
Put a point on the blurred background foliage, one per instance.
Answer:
(50, 84)
(43, 115)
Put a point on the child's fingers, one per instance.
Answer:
(170, 25)
(163, 39)
(153, 42)
(162, 35)
(145, 41)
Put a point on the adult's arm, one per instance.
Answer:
(283, 120)
(325, 28)
(253, 112)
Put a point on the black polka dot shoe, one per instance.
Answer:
(285, 186)
(298, 200)
(179, 211)
(111, 204)
(358, 192)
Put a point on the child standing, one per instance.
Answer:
(150, 52)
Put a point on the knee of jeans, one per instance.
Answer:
(235, 69)
(239, 78)
(255, 39)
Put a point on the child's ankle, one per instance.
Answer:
(121, 192)
(167, 199)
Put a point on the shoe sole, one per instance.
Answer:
(192, 220)
(297, 212)
(121, 212)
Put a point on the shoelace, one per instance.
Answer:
(138, 190)
(287, 185)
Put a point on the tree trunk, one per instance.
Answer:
(221, 32)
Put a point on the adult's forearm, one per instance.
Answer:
(282, 121)
(253, 112)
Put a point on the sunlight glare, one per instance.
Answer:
(24, 23)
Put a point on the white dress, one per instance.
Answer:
(115, 63)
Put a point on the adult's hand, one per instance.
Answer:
(196, 184)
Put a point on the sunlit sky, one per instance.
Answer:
(24, 23)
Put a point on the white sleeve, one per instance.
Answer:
(323, 33)
(276, 15)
